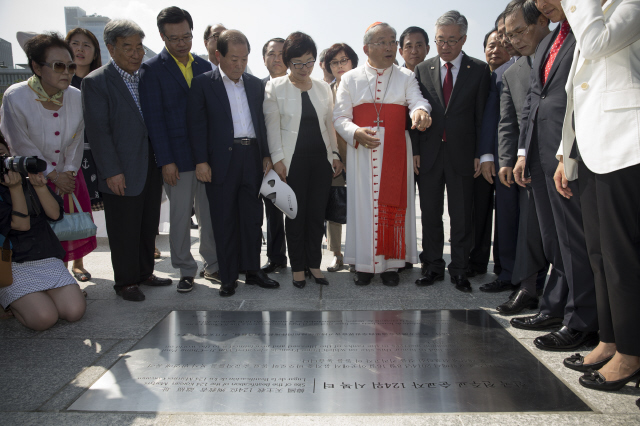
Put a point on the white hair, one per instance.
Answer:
(120, 28)
(453, 17)
(368, 36)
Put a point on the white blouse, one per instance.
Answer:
(54, 136)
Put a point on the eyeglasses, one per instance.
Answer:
(451, 43)
(129, 50)
(60, 67)
(385, 44)
(517, 35)
(299, 66)
(336, 63)
(176, 40)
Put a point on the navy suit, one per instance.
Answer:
(572, 296)
(276, 241)
(236, 170)
(506, 199)
(163, 98)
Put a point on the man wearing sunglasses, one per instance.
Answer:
(457, 87)
(164, 86)
(211, 35)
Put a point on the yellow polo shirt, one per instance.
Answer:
(187, 71)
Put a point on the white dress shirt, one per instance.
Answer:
(240, 112)
(213, 66)
(455, 70)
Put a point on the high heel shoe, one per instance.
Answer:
(595, 380)
(576, 362)
(322, 281)
(299, 284)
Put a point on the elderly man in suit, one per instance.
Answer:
(603, 88)
(571, 302)
(456, 86)
(164, 85)
(130, 181)
(229, 142)
(519, 230)
(276, 241)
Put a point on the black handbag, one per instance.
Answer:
(337, 204)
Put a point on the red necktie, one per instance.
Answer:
(447, 88)
(555, 48)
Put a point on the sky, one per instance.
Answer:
(327, 22)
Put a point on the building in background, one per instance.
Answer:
(76, 17)
(6, 55)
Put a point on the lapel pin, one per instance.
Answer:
(433, 68)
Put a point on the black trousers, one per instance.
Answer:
(507, 222)
(611, 214)
(276, 241)
(132, 225)
(482, 224)
(236, 213)
(573, 295)
(310, 179)
(460, 202)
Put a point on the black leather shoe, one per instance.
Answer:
(461, 283)
(317, 280)
(362, 278)
(470, 272)
(429, 278)
(390, 278)
(406, 266)
(536, 322)
(185, 285)
(497, 286)
(576, 362)
(270, 267)
(227, 290)
(260, 279)
(154, 281)
(521, 300)
(595, 380)
(299, 284)
(131, 293)
(565, 339)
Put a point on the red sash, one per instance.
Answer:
(392, 203)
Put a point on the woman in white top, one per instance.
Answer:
(298, 113)
(43, 117)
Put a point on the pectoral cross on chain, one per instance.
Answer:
(378, 121)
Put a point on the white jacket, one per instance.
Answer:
(603, 89)
(282, 112)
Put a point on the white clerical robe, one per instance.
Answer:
(393, 85)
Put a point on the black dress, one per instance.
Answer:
(89, 170)
(310, 175)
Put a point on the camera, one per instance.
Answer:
(22, 165)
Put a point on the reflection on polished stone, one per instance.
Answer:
(329, 362)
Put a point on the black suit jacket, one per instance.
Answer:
(210, 123)
(462, 118)
(547, 103)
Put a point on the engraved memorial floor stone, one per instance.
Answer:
(329, 362)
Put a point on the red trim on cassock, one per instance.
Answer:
(392, 203)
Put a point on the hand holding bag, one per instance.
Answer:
(74, 226)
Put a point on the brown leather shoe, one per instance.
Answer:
(154, 281)
(131, 293)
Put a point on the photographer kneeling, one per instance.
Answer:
(43, 290)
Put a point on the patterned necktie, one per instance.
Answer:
(555, 48)
(447, 88)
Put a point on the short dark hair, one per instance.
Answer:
(97, 60)
(486, 37)
(231, 36)
(275, 40)
(173, 15)
(529, 10)
(412, 30)
(296, 45)
(333, 51)
(36, 48)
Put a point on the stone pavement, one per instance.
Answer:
(43, 373)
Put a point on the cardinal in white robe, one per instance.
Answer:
(370, 113)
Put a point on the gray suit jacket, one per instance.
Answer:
(116, 131)
(515, 84)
